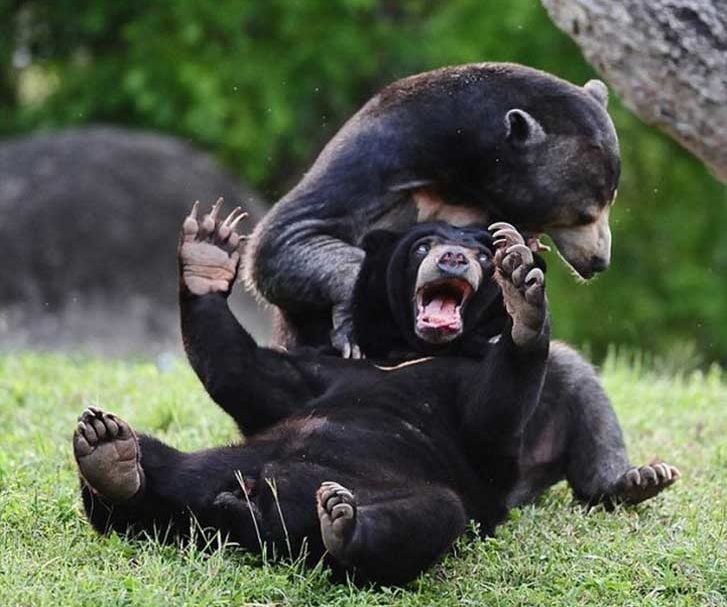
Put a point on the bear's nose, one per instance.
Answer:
(598, 264)
(453, 262)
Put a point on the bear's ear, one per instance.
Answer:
(598, 90)
(522, 129)
(380, 241)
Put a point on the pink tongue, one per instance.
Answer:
(441, 312)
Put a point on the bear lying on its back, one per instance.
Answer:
(468, 144)
(379, 469)
(573, 433)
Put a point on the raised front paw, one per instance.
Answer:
(639, 484)
(107, 453)
(522, 283)
(209, 251)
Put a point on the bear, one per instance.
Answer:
(378, 470)
(467, 144)
(574, 432)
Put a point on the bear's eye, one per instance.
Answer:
(483, 258)
(423, 248)
(585, 218)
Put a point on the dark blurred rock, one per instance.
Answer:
(89, 220)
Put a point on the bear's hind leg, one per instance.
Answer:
(113, 481)
(388, 536)
(598, 468)
(134, 484)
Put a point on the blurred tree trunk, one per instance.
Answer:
(667, 60)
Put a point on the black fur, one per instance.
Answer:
(383, 324)
(448, 135)
(423, 448)
(574, 433)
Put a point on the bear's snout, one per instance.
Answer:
(453, 261)
(598, 264)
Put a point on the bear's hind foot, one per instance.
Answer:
(639, 484)
(108, 456)
(337, 516)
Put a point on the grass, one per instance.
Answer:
(670, 551)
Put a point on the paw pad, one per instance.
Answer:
(337, 514)
(522, 284)
(209, 252)
(336, 501)
(107, 453)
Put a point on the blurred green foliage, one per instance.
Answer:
(264, 84)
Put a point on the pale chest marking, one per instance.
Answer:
(431, 207)
(405, 364)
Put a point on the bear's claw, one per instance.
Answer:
(505, 234)
(642, 483)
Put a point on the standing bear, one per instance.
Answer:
(468, 144)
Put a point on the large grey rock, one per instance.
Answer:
(89, 221)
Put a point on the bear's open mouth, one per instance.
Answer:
(439, 309)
